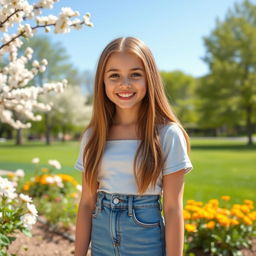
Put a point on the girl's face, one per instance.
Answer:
(125, 80)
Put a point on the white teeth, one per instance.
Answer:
(125, 94)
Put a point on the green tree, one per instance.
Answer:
(179, 88)
(228, 93)
(59, 67)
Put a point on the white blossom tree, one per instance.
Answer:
(18, 100)
(69, 109)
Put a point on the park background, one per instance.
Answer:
(205, 52)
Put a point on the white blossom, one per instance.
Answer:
(7, 189)
(32, 209)
(79, 188)
(56, 164)
(20, 173)
(25, 198)
(35, 160)
(15, 76)
(28, 220)
(49, 180)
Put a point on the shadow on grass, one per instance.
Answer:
(37, 144)
(229, 147)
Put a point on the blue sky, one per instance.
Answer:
(172, 29)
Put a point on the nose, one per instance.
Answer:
(125, 81)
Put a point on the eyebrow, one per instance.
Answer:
(114, 69)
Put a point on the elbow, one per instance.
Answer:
(173, 211)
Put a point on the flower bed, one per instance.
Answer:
(213, 228)
(219, 228)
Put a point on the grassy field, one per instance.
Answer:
(221, 166)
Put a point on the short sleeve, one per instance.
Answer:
(79, 162)
(175, 151)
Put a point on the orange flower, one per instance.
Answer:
(45, 170)
(237, 213)
(210, 224)
(25, 187)
(245, 208)
(191, 201)
(225, 222)
(234, 222)
(247, 220)
(214, 203)
(186, 215)
(190, 227)
(252, 215)
(250, 202)
(225, 198)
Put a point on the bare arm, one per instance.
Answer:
(173, 187)
(84, 220)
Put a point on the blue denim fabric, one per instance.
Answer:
(126, 225)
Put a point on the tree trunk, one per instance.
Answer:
(63, 133)
(19, 137)
(249, 125)
(47, 130)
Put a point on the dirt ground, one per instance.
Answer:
(42, 243)
(45, 243)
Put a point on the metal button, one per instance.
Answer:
(116, 200)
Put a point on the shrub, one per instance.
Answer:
(16, 213)
(217, 230)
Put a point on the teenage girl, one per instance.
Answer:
(133, 151)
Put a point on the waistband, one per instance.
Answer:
(123, 201)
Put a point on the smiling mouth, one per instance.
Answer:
(125, 97)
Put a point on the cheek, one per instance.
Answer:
(143, 86)
(109, 88)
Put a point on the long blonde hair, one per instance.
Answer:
(155, 110)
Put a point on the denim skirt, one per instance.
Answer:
(126, 225)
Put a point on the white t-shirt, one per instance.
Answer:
(116, 168)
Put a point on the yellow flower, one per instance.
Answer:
(223, 211)
(68, 178)
(186, 215)
(245, 208)
(210, 224)
(74, 195)
(248, 202)
(237, 213)
(43, 179)
(10, 174)
(45, 170)
(209, 215)
(195, 216)
(225, 222)
(190, 201)
(252, 215)
(25, 187)
(190, 227)
(199, 203)
(247, 220)
(192, 208)
(225, 198)
(234, 222)
(214, 203)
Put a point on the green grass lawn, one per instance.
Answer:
(221, 166)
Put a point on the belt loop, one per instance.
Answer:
(130, 202)
(100, 198)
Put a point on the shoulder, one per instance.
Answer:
(171, 129)
(86, 135)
